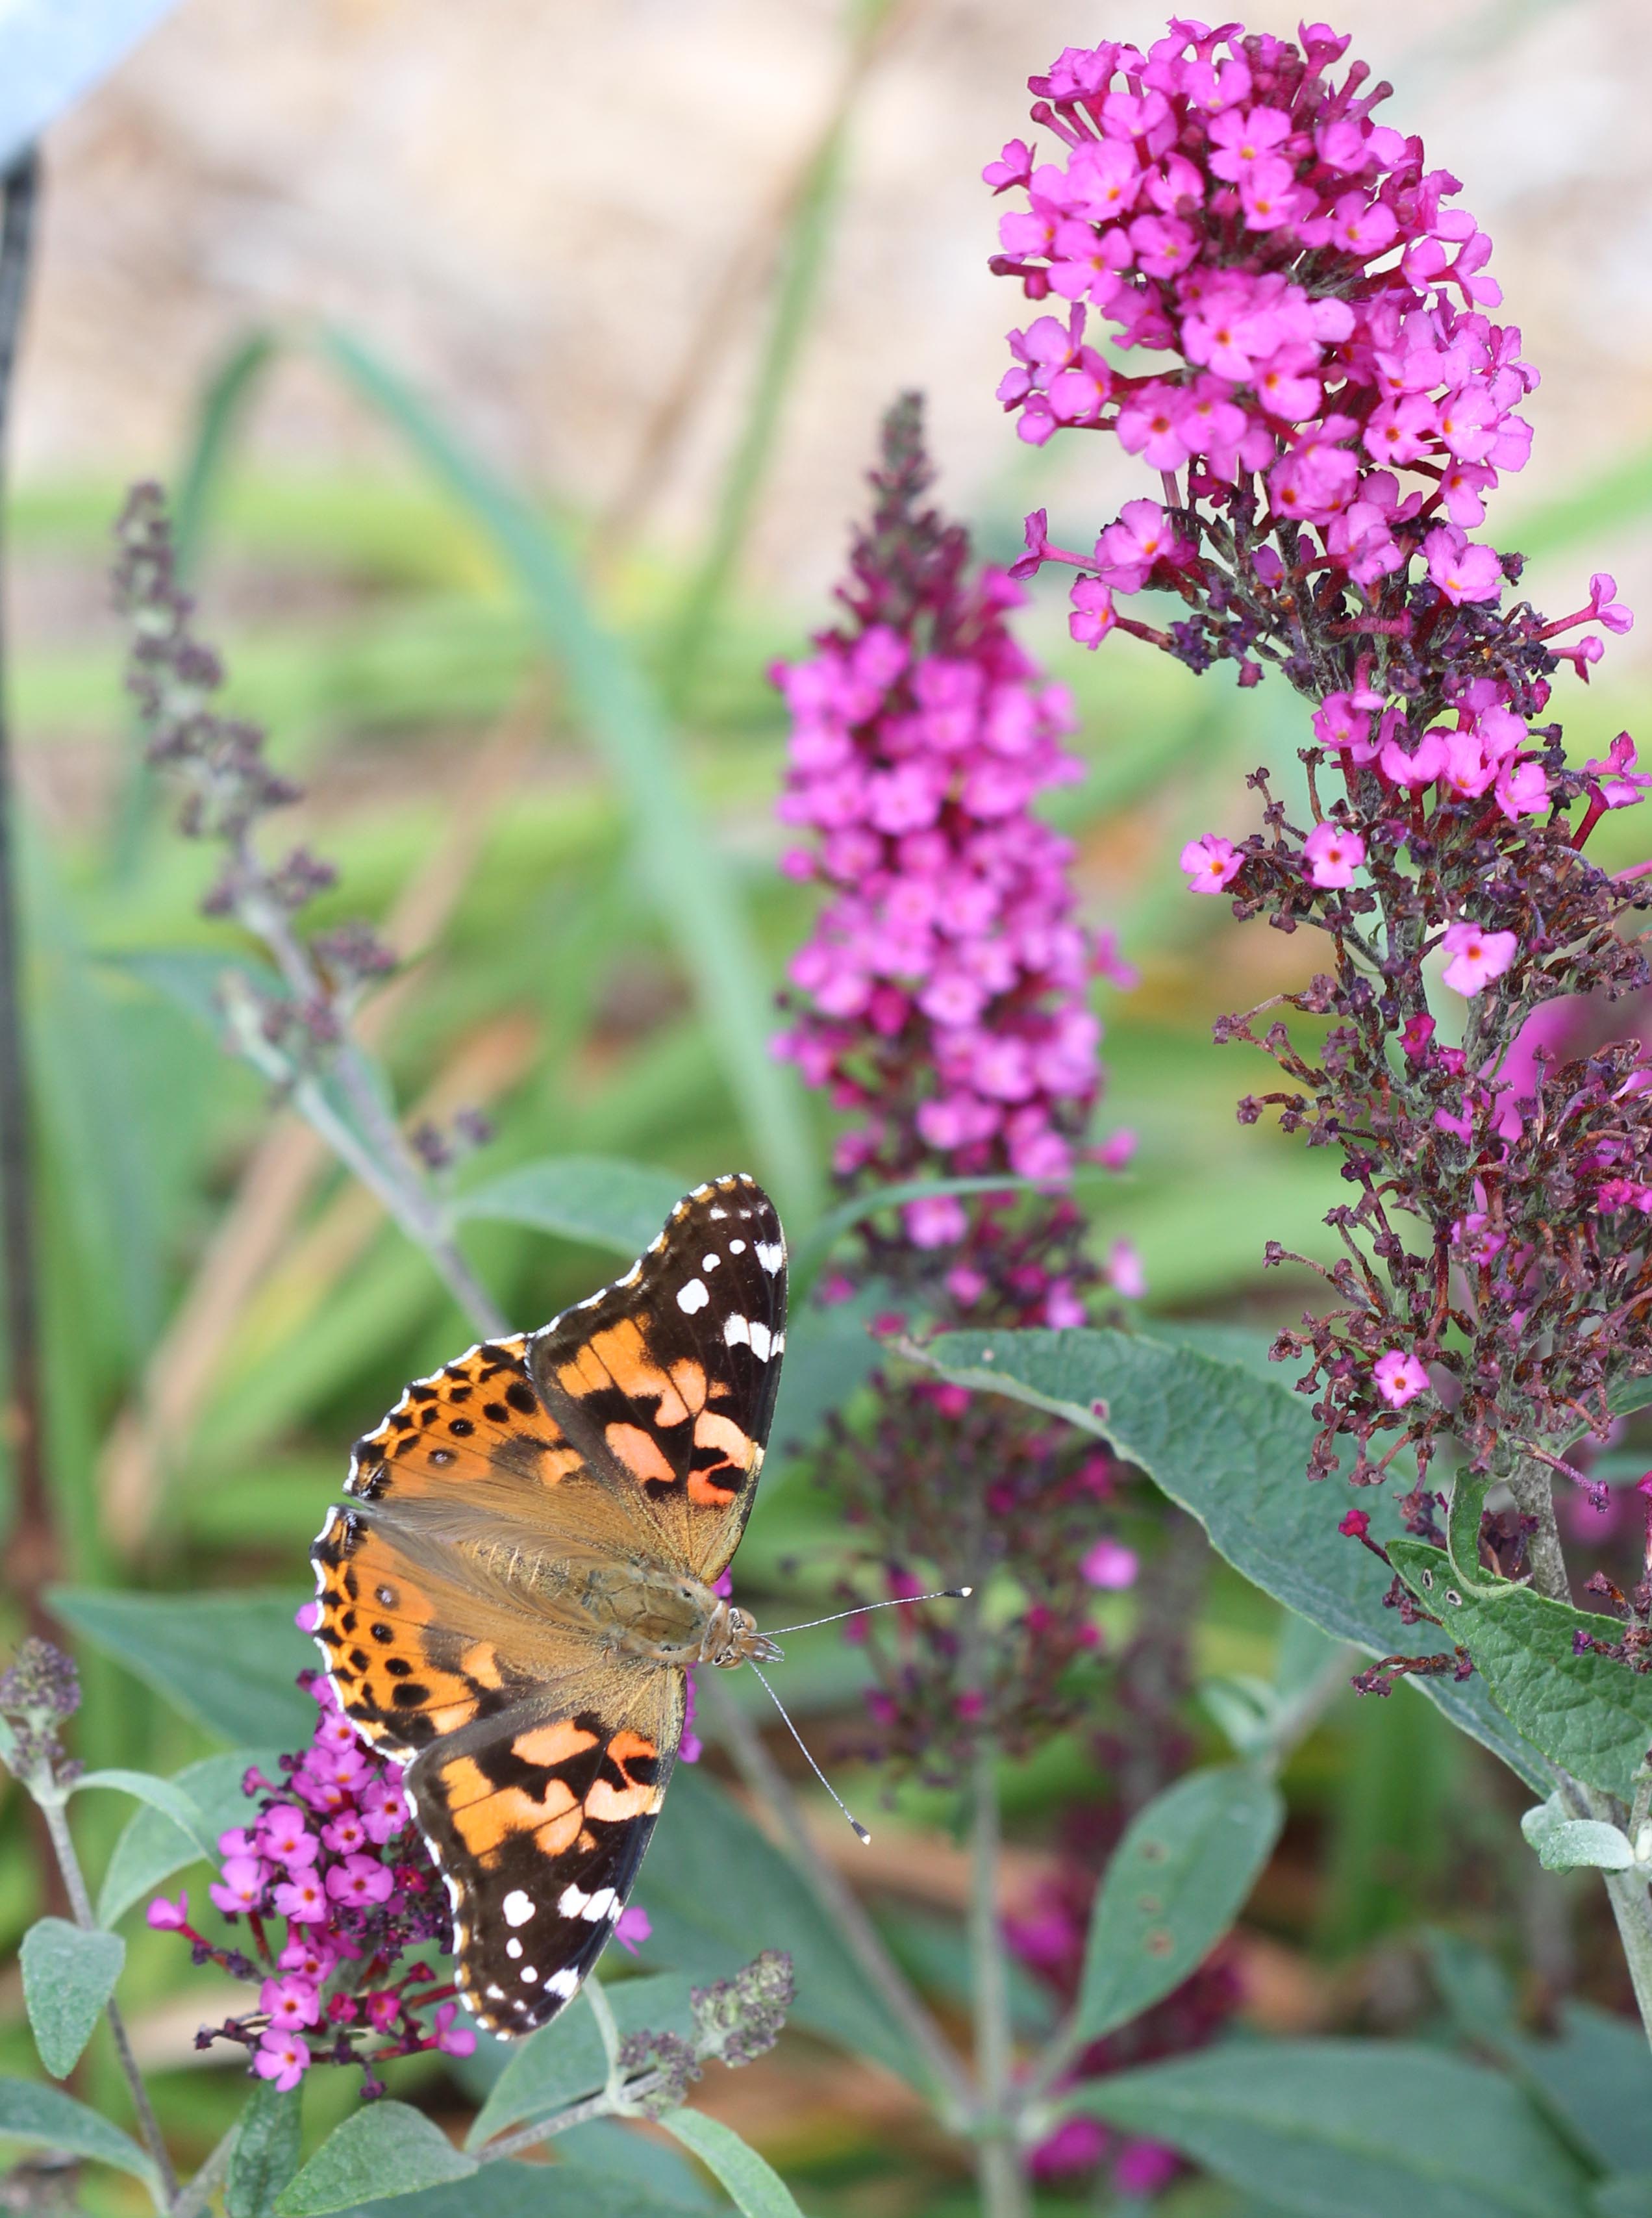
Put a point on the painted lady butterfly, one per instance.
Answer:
(512, 1597)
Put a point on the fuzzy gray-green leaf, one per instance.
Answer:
(68, 1976)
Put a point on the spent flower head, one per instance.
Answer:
(39, 1692)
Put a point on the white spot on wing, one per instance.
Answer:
(736, 1332)
(760, 1341)
(737, 1247)
(716, 1212)
(694, 1296)
(709, 1262)
(513, 1948)
(562, 1983)
(529, 1975)
(770, 1257)
(518, 1907)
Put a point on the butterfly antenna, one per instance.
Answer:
(861, 1832)
(900, 1602)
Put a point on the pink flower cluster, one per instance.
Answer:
(330, 1856)
(950, 930)
(1221, 199)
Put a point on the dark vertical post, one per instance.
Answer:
(31, 1557)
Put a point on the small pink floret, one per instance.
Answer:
(1111, 1565)
(1400, 1378)
(1334, 854)
(1211, 864)
(1476, 957)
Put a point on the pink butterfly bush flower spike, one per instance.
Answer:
(1302, 347)
(330, 1854)
(942, 1000)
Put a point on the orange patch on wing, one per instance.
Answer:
(561, 1832)
(640, 1452)
(689, 1379)
(706, 1494)
(636, 1798)
(481, 1663)
(553, 1743)
(484, 1823)
(560, 1464)
(620, 1357)
(617, 1802)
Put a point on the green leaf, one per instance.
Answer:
(1590, 1715)
(596, 1198)
(47, 2119)
(266, 2151)
(1469, 1492)
(1563, 1843)
(152, 1848)
(621, 2159)
(718, 1890)
(1627, 2197)
(68, 1976)
(229, 1661)
(757, 2188)
(1176, 1883)
(1629, 1395)
(566, 2060)
(165, 1796)
(562, 2189)
(382, 2151)
(693, 885)
(1231, 1448)
(1349, 2130)
(1593, 2084)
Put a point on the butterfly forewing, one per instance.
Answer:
(667, 1378)
(453, 1588)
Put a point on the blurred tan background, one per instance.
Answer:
(534, 205)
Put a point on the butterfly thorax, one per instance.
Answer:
(670, 1617)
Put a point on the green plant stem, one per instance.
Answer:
(956, 2102)
(376, 1155)
(998, 2168)
(80, 1903)
(1533, 1491)
(526, 2137)
(194, 2196)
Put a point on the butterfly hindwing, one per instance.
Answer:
(538, 1826)
(666, 1380)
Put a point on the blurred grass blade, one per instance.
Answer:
(692, 884)
(802, 264)
(596, 1198)
(223, 401)
(805, 259)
